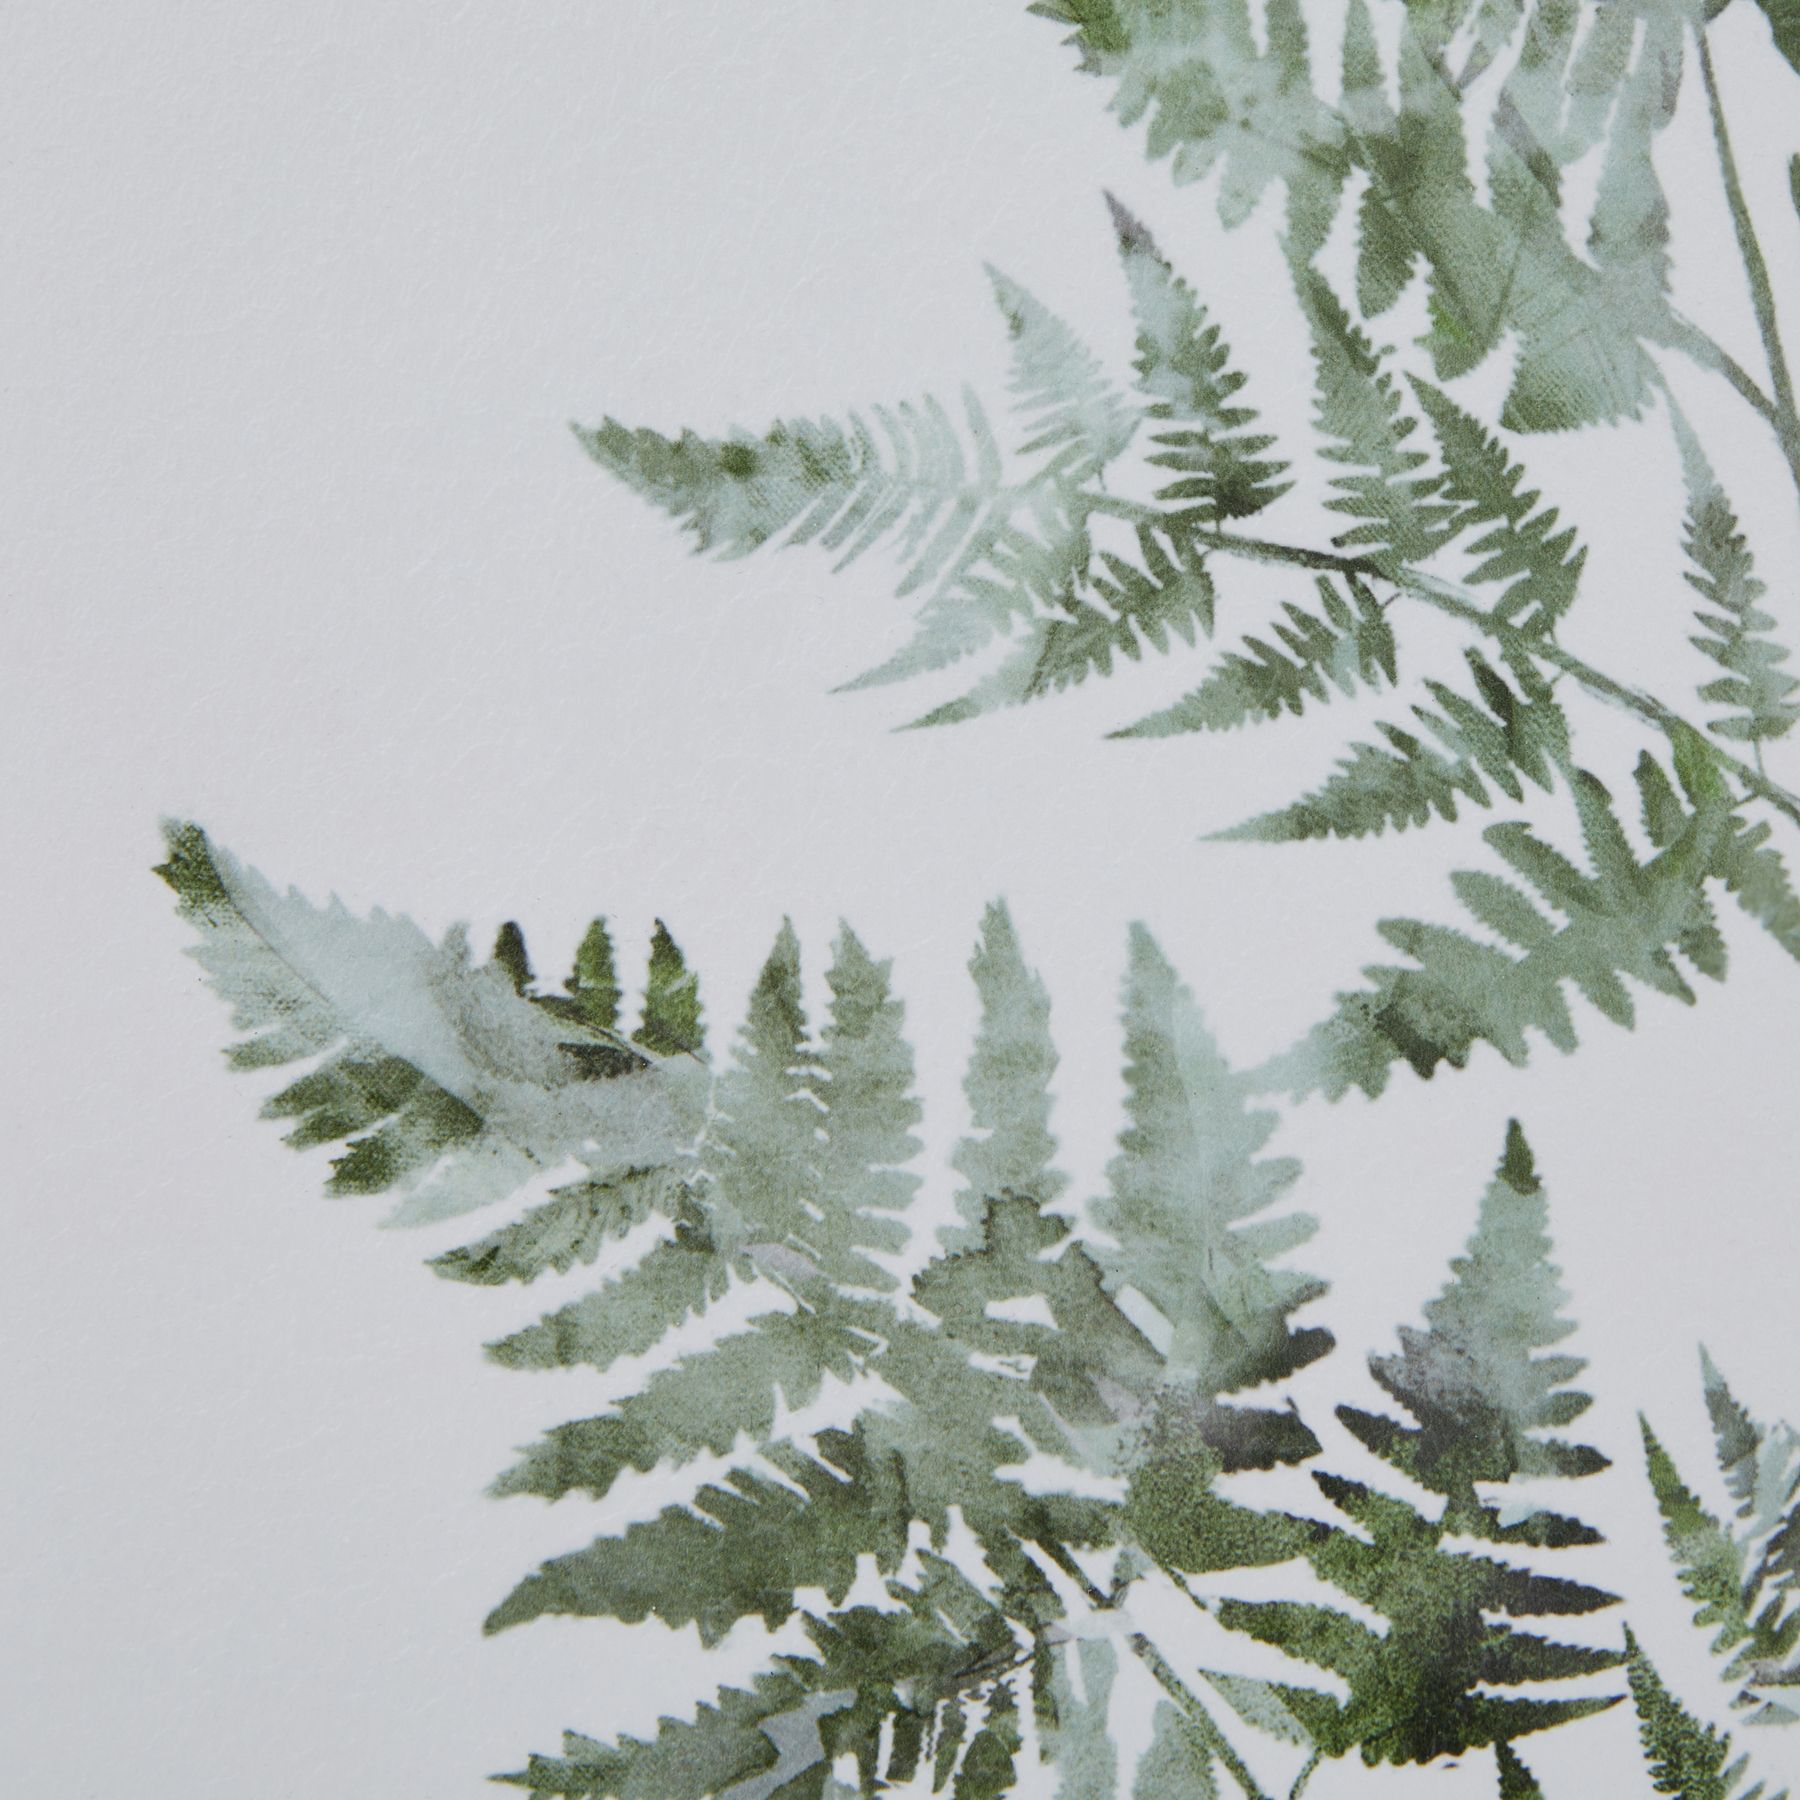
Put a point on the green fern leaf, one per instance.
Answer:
(1347, 643)
(1184, 368)
(1213, 95)
(675, 1281)
(1522, 548)
(1509, 732)
(736, 1551)
(1071, 637)
(1625, 919)
(1499, 265)
(671, 1024)
(1186, 1190)
(1073, 418)
(1403, 519)
(448, 1087)
(1476, 1380)
(1687, 1758)
(1742, 1575)
(1738, 634)
(699, 1405)
(572, 1227)
(1425, 1686)
(1010, 1147)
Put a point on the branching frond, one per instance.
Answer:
(1512, 730)
(1348, 643)
(1624, 919)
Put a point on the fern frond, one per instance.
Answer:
(736, 1551)
(1480, 1392)
(448, 1088)
(1738, 635)
(1009, 1147)
(572, 1227)
(1687, 1758)
(1347, 643)
(1522, 548)
(1184, 368)
(1500, 265)
(1623, 920)
(1186, 1192)
(1507, 733)
(676, 1280)
(1073, 418)
(1212, 94)
(1403, 518)
(699, 1405)
(1477, 1379)
(1742, 1575)
(1071, 637)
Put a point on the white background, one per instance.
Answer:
(295, 305)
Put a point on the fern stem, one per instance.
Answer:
(1305, 1775)
(1164, 1675)
(1446, 597)
(1756, 269)
(1703, 348)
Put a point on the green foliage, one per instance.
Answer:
(1521, 547)
(1479, 1393)
(671, 1023)
(1010, 1148)
(1511, 730)
(1495, 265)
(447, 1083)
(1122, 1366)
(1737, 635)
(1347, 643)
(1403, 519)
(1741, 1573)
(1628, 916)
(1687, 1757)
(1184, 368)
(1187, 1189)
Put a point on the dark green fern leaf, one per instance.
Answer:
(1687, 1758)
(1513, 729)
(1347, 644)
(1477, 1380)
(1184, 368)
(1432, 1682)
(1540, 565)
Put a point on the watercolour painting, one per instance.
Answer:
(1023, 778)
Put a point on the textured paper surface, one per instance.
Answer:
(299, 303)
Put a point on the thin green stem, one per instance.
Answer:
(1756, 269)
(1702, 348)
(1164, 1675)
(1447, 598)
(1305, 1775)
